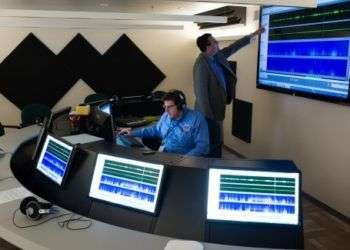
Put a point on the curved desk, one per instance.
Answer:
(182, 212)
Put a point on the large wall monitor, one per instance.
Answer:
(55, 158)
(127, 182)
(306, 51)
(253, 196)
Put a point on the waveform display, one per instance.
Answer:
(54, 159)
(256, 198)
(257, 194)
(263, 208)
(313, 48)
(309, 66)
(338, 11)
(125, 183)
(253, 196)
(322, 22)
(311, 31)
(128, 184)
(52, 163)
(127, 192)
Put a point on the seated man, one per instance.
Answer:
(182, 130)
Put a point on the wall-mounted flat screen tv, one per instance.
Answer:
(306, 51)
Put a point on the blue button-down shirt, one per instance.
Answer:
(219, 71)
(187, 134)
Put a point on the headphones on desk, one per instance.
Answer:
(34, 209)
(180, 98)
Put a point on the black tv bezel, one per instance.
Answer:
(44, 130)
(69, 163)
(160, 192)
(300, 216)
(313, 96)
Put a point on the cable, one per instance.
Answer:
(37, 224)
(67, 223)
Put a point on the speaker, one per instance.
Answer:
(34, 209)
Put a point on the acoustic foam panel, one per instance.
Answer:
(128, 71)
(242, 120)
(83, 59)
(32, 73)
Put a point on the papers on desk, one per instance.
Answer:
(183, 245)
(13, 194)
(82, 138)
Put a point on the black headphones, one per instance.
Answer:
(34, 209)
(180, 98)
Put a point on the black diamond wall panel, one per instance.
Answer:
(33, 74)
(128, 71)
(83, 59)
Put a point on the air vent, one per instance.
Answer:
(234, 14)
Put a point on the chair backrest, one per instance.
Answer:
(34, 113)
(95, 97)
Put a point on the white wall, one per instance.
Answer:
(314, 134)
(173, 51)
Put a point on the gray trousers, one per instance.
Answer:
(215, 138)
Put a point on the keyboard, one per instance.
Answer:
(131, 122)
(129, 141)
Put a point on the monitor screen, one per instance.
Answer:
(106, 107)
(126, 182)
(306, 51)
(55, 158)
(253, 196)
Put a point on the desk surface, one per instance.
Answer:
(100, 235)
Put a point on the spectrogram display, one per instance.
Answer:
(253, 196)
(54, 159)
(126, 182)
(307, 50)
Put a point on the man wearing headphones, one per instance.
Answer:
(182, 130)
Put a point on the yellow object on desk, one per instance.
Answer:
(82, 110)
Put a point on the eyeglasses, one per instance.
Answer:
(169, 106)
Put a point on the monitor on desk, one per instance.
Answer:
(106, 107)
(101, 124)
(43, 131)
(253, 196)
(130, 183)
(55, 159)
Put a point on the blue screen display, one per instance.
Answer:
(54, 159)
(306, 50)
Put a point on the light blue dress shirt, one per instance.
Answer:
(187, 134)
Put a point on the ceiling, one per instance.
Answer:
(132, 6)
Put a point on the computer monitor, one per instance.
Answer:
(43, 131)
(106, 107)
(306, 51)
(101, 124)
(55, 159)
(253, 196)
(129, 183)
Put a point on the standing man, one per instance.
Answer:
(214, 84)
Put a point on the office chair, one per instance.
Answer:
(94, 98)
(30, 114)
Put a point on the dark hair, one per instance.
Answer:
(177, 96)
(203, 41)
